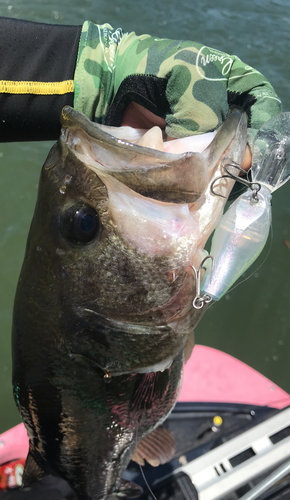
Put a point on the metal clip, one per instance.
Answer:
(254, 186)
(199, 299)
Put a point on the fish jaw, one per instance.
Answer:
(152, 173)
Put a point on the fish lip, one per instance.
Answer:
(70, 118)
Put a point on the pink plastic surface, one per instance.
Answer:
(209, 376)
(13, 444)
(214, 376)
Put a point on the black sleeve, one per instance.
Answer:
(35, 54)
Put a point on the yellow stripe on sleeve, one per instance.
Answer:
(38, 88)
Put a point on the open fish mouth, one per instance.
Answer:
(159, 198)
(163, 176)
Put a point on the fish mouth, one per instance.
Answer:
(160, 175)
(155, 138)
(156, 198)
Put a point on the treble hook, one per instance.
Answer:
(254, 186)
(199, 299)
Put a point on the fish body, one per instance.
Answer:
(103, 311)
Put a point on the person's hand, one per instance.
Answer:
(181, 86)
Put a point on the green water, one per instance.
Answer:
(253, 321)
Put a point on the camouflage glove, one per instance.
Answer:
(190, 85)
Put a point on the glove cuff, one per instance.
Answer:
(94, 73)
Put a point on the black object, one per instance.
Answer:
(35, 52)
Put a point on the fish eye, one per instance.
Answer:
(81, 224)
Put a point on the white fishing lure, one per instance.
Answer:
(243, 230)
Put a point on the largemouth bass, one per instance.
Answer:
(103, 316)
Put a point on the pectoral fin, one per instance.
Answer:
(127, 489)
(32, 471)
(156, 448)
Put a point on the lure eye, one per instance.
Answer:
(81, 224)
